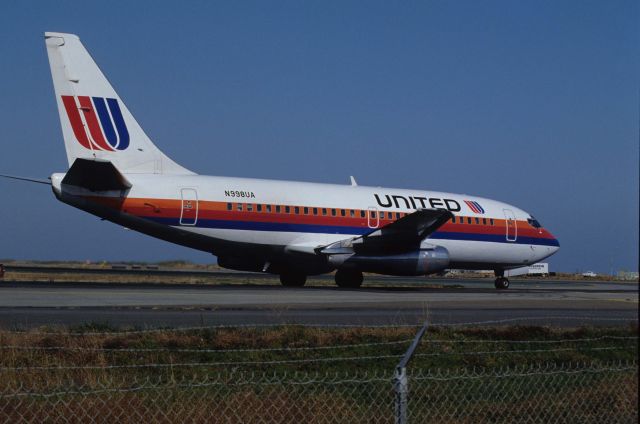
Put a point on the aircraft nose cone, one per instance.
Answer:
(555, 244)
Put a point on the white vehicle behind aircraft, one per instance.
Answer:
(293, 229)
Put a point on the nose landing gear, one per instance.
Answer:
(502, 282)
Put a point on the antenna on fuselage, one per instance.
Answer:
(353, 181)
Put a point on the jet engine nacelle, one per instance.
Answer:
(419, 262)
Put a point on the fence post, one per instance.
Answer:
(401, 388)
(401, 382)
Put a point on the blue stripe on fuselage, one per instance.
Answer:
(496, 238)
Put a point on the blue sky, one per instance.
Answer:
(533, 103)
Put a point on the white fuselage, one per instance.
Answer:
(299, 217)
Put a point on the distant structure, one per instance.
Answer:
(540, 268)
(627, 276)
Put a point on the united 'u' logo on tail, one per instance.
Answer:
(474, 206)
(103, 118)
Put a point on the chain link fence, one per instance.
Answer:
(363, 375)
(548, 393)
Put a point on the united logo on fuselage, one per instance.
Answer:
(475, 206)
(102, 117)
(416, 202)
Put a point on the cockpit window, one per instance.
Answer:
(534, 222)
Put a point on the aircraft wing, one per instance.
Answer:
(402, 235)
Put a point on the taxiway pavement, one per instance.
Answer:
(534, 302)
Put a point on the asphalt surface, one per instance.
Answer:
(458, 302)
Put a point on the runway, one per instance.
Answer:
(456, 302)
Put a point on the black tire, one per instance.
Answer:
(502, 283)
(293, 279)
(349, 278)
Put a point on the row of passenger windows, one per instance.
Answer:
(352, 213)
(305, 210)
(470, 220)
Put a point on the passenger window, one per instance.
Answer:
(491, 221)
(477, 221)
(306, 210)
(324, 211)
(259, 207)
(484, 221)
(229, 206)
(352, 213)
(468, 220)
(343, 212)
(381, 215)
(315, 211)
(453, 219)
(268, 208)
(296, 210)
(250, 207)
(240, 207)
(373, 215)
(278, 209)
(333, 212)
(287, 209)
(361, 214)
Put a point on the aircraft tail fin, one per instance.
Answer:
(96, 123)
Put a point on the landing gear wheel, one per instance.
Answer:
(349, 278)
(293, 279)
(502, 283)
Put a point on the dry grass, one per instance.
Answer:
(222, 279)
(104, 395)
(440, 348)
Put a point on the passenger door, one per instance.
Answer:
(512, 228)
(189, 212)
(373, 217)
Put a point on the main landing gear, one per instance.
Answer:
(502, 282)
(348, 278)
(293, 279)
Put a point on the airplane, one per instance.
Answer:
(292, 229)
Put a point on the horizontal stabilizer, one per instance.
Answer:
(28, 179)
(95, 175)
